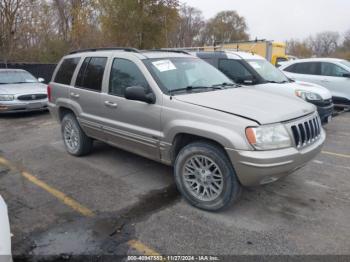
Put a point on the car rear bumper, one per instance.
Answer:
(262, 167)
(19, 106)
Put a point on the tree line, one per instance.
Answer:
(323, 44)
(44, 30)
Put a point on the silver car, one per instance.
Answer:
(181, 111)
(5, 236)
(21, 92)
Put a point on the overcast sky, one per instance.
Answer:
(281, 20)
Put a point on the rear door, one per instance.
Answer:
(62, 79)
(86, 93)
(132, 125)
(304, 71)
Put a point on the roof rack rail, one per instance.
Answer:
(170, 50)
(126, 49)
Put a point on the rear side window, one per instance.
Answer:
(233, 69)
(307, 68)
(125, 73)
(66, 70)
(90, 75)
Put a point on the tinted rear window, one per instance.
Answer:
(308, 68)
(66, 70)
(91, 73)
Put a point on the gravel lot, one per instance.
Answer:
(115, 203)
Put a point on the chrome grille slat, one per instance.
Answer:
(306, 131)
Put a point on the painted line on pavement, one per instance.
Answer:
(335, 154)
(62, 197)
(70, 202)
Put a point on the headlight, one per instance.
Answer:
(308, 96)
(268, 137)
(6, 97)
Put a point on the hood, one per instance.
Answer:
(254, 104)
(290, 88)
(23, 89)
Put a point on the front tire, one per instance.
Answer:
(205, 176)
(77, 143)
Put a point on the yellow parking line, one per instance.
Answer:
(56, 193)
(335, 154)
(59, 195)
(135, 244)
(6, 163)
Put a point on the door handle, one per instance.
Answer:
(111, 104)
(324, 81)
(74, 95)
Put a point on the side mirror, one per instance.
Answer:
(346, 75)
(41, 80)
(139, 93)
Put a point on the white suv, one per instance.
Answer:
(333, 74)
(256, 72)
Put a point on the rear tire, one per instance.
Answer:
(77, 143)
(205, 177)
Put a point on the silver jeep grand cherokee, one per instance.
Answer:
(179, 110)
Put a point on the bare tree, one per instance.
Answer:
(346, 42)
(190, 24)
(324, 43)
(298, 48)
(8, 25)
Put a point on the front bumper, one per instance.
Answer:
(262, 167)
(325, 112)
(16, 106)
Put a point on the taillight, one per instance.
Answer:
(49, 92)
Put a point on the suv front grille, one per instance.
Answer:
(32, 97)
(306, 132)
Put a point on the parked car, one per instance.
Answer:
(5, 235)
(21, 92)
(255, 71)
(179, 110)
(333, 74)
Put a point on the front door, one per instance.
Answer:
(131, 125)
(332, 77)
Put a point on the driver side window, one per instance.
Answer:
(329, 69)
(124, 73)
(234, 70)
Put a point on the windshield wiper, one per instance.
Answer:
(275, 82)
(190, 88)
(225, 84)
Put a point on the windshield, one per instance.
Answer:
(186, 73)
(346, 63)
(16, 77)
(267, 71)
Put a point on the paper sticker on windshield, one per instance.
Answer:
(164, 65)
(255, 65)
